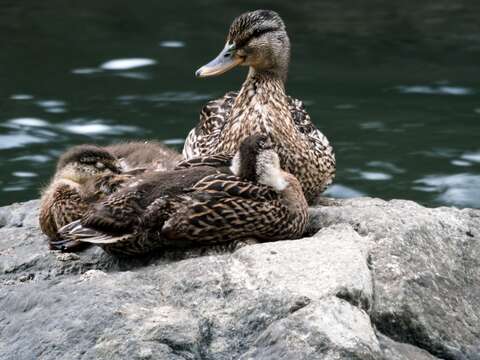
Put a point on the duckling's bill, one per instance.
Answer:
(226, 60)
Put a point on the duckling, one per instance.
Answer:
(84, 174)
(123, 209)
(87, 173)
(259, 40)
(258, 201)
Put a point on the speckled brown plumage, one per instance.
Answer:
(218, 208)
(84, 174)
(260, 40)
(226, 209)
(79, 183)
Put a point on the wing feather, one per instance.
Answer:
(212, 119)
(234, 186)
(217, 160)
(220, 218)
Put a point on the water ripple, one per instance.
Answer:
(126, 64)
(342, 191)
(385, 165)
(435, 90)
(375, 176)
(168, 96)
(27, 122)
(471, 156)
(95, 127)
(33, 158)
(24, 174)
(458, 189)
(86, 71)
(179, 141)
(21, 97)
(50, 103)
(14, 188)
(11, 141)
(172, 44)
(460, 163)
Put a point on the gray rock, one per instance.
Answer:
(426, 270)
(328, 329)
(393, 350)
(380, 280)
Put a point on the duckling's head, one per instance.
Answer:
(257, 161)
(257, 39)
(84, 161)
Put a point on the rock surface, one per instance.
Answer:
(377, 280)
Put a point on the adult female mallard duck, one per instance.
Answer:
(258, 39)
(259, 201)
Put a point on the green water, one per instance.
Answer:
(395, 87)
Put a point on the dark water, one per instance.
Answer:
(395, 87)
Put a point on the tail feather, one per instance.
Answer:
(76, 232)
(105, 239)
(65, 245)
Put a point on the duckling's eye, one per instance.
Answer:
(99, 165)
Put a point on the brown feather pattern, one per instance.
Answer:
(304, 151)
(220, 208)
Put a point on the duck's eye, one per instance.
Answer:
(99, 165)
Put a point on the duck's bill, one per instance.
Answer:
(225, 61)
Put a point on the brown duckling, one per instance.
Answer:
(87, 173)
(138, 189)
(259, 201)
(84, 174)
(259, 40)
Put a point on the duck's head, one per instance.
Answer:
(84, 161)
(257, 39)
(257, 161)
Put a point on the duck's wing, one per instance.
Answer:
(208, 131)
(304, 124)
(138, 240)
(234, 186)
(218, 160)
(215, 217)
(118, 213)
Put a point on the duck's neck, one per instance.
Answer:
(273, 80)
(279, 72)
(260, 107)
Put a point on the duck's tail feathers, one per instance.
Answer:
(66, 245)
(75, 232)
